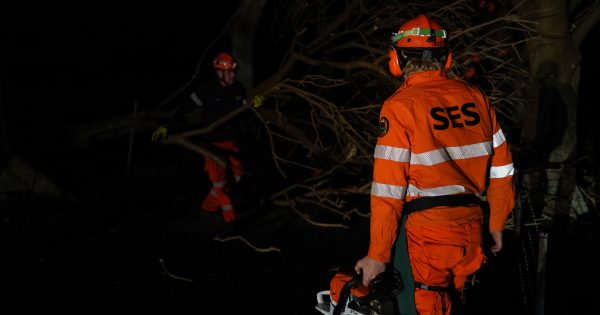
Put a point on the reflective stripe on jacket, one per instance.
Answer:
(439, 136)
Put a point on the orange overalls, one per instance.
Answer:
(218, 195)
(438, 137)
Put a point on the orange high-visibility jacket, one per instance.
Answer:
(438, 136)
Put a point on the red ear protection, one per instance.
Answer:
(394, 63)
(448, 64)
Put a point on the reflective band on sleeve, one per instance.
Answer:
(196, 99)
(391, 153)
(220, 184)
(386, 190)
(502, 171)
(499, 138)
(415, 191)
(227, 207)
(451, 153)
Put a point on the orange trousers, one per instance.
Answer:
(218, 174)
(441, 255)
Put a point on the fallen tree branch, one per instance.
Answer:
(238, 237)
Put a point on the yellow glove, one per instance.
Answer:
(160, 133)
(258, 100)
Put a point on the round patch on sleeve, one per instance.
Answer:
(384, 125)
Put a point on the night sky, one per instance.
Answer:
(64, 68)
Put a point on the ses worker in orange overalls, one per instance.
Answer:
(212, 100)
(439, 149)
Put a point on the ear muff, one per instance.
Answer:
(394, 63)
(448, 63)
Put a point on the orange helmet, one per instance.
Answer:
(416, 38)
(224, 61)
(420, 33)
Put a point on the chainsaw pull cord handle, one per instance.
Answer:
(344, 294)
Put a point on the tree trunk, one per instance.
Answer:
(555, 59)
(243, 30)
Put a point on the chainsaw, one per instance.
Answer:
(348, 296)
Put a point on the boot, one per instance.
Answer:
(229, 216)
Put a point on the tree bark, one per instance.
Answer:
(555, 54)
(243, 31)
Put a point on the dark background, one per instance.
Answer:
(102, 254)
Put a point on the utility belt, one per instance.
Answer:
(424, 203)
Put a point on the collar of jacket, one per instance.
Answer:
(425, 76)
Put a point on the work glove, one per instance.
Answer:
(160, 133)
(258, 100)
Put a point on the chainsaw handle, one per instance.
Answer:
(320, 295)
(345, 293)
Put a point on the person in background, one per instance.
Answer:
(211, 100)
(440, 150)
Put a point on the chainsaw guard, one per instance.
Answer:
(347, 295)
(327, 306)
(324, 303)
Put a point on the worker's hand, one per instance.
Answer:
(497, 237)
(258, 100)
(369, 268)
(160, 133)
